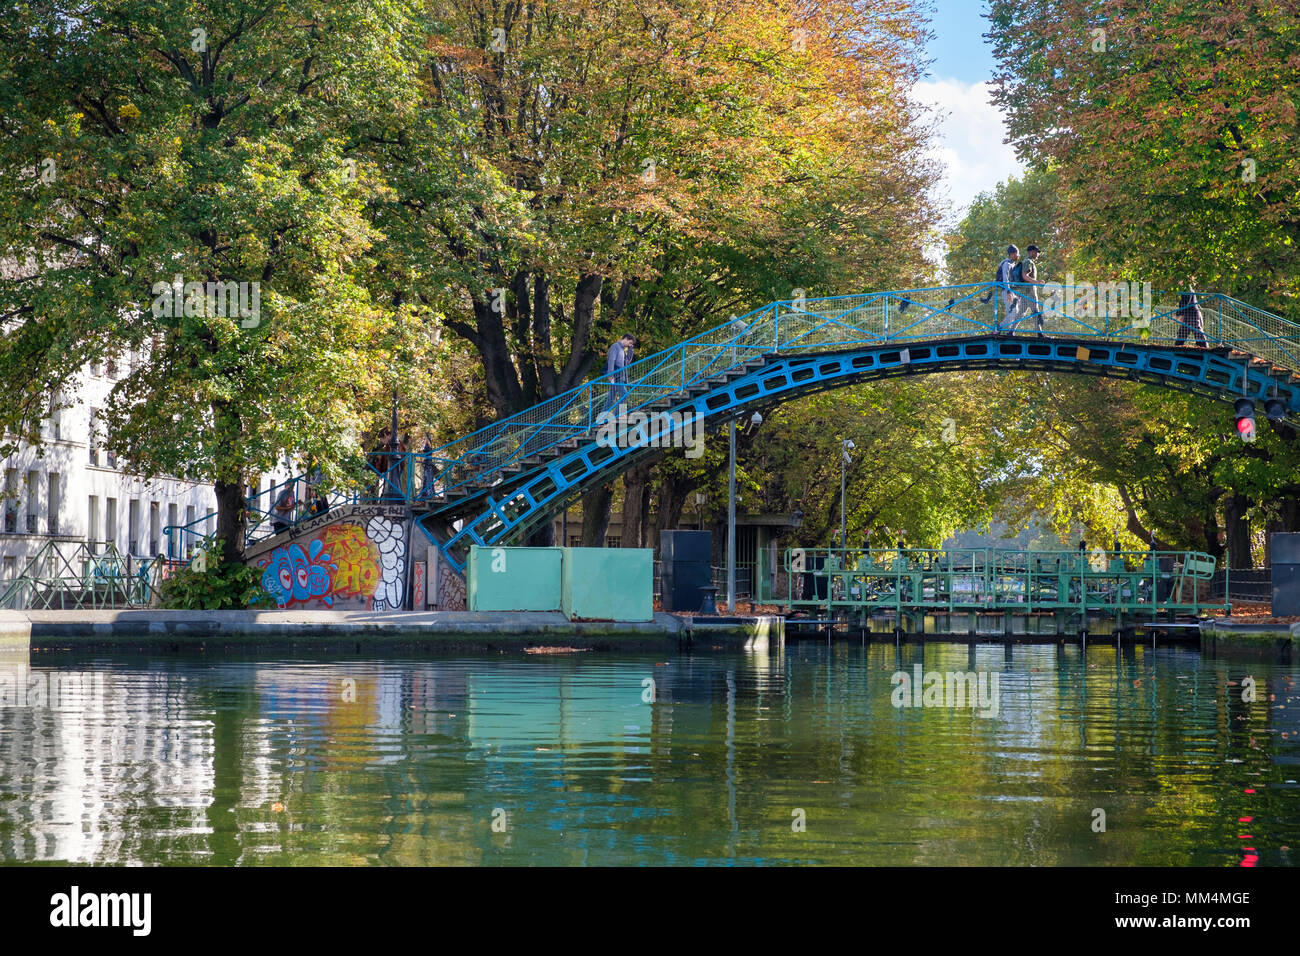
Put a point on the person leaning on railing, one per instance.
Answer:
(283, 510)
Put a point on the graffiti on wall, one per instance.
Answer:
(344, 564)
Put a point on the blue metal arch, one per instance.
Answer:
(540, 493)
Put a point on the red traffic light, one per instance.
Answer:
(1245, 408)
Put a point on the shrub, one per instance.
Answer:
(223, 586)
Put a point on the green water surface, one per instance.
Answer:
(794, 756)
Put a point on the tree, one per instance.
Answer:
(625, 166)
(141, 141)
(1173, 126)
(618, 166)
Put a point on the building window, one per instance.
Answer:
(613, 541)
(575, 541)
(10, 568)
(93, 438)
(154, 515)
(110, 522)
(33, 501)
(172, 538)
(92, 524)
(52, 511)
(133, 526)
(11, 501)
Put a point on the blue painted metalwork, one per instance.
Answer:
(499, 482)
(843, 322)
(499, 517)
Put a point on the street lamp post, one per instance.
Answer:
(731, 519)
(756, 419)
(845, 447)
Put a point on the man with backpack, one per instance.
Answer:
(1006, 276)
(1025, 275)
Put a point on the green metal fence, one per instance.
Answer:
(1124, 585)
(74, 575)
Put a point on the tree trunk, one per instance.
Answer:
(230, 520)
(1135, 525)
(595, 516)
(1234, 518)
(636, 502)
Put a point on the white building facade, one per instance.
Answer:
(73, 490)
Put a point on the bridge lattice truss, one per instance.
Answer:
(500, 483)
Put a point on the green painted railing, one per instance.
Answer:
(74, 576)
(1130, 585)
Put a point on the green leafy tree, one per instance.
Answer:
(212, 141)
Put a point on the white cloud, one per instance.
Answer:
(969, 145)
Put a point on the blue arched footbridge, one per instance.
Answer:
(499, 484)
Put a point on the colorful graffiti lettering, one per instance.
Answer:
(357, 570)
(356, 564)
(294, 576)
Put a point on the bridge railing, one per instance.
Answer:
(785, 327)
(72, 575)
(860, 320)
(987, 579)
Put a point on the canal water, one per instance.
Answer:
(801, 755)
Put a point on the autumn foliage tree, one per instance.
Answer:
(141, 141)
(1172, 124)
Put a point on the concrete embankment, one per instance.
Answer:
(345, 631)
(22, 632)
(1248, 638)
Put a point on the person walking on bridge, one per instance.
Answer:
(1027, 287)
(1189, 317)
(1005, 274)
(617, 360)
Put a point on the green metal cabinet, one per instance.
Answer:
(513, 579)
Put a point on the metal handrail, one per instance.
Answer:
(783, 327)
(838, 322)
(103, 579)
(991, 579)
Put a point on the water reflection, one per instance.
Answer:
(595, 759)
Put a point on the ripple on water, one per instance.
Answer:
(773, 758)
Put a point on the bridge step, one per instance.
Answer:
(502, 477)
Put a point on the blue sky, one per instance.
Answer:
(959, 50)
(969, 145)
